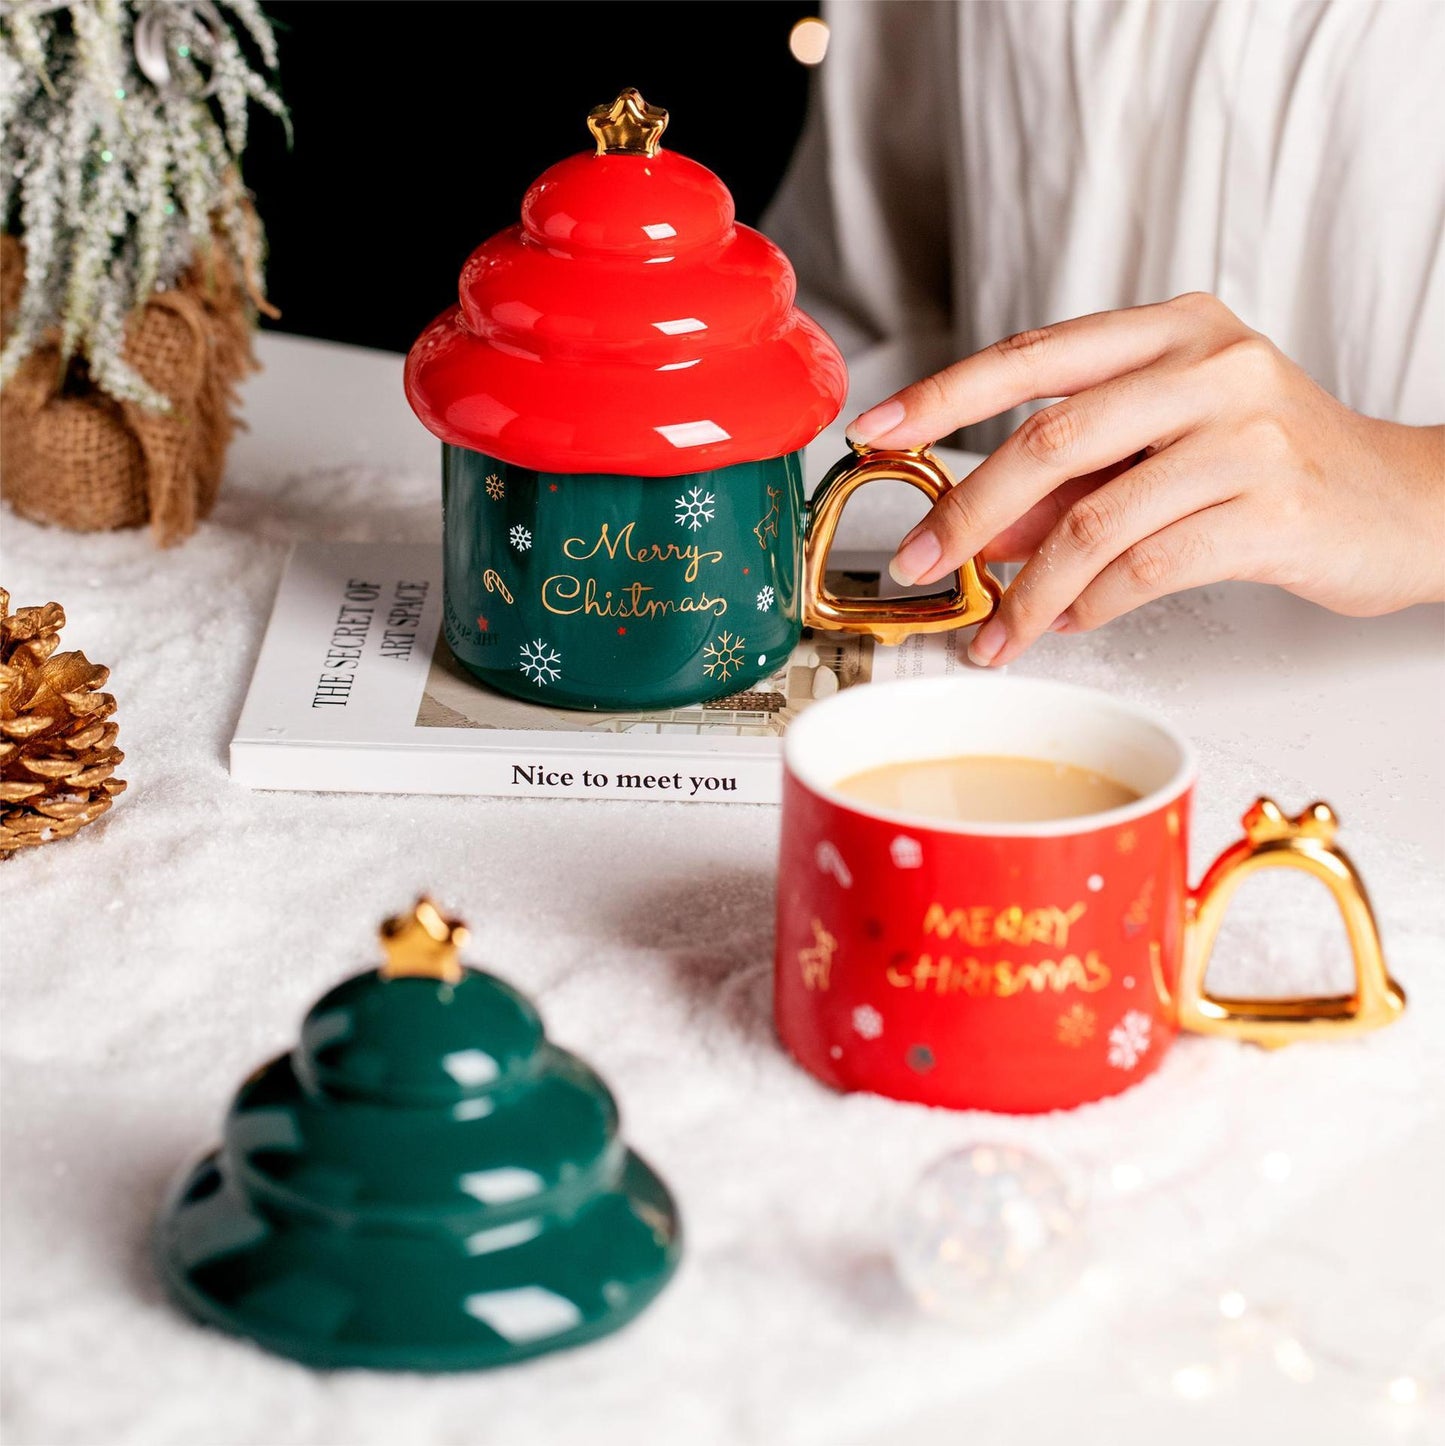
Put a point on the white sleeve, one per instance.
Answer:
(1372, 330)
(970, 171)
(863, 212)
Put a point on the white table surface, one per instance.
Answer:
(157, 957)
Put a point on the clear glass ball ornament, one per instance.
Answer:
(990, 1234)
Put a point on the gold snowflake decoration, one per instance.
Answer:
(724, 657)
(1076, 1025)
(496, 488)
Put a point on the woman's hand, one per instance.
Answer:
(1187, 449)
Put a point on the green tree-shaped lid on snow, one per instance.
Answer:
(425, 1182)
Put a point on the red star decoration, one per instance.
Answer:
(621, 632)
(482, 623)
(552, 487)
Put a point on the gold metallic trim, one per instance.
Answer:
(423, 944)
(889, 620)
(1273, 841)
(629, 126)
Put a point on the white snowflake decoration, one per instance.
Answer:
(867, 1021)
(540, 664)
(765, 599)
(694, 508)
(496, 488)
(724, 656)
(830, 861)
(1129, 1039)
(520, 538)
(907, 853)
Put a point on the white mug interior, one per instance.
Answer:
(869, 727)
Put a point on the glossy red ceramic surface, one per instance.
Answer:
(627, 325)
(978, 971)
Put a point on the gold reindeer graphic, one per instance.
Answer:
(817, 962)
(769, 524)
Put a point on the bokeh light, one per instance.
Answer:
(809, 41)
(1403, 1391)
(1232, 1305)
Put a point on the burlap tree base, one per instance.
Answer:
(79, 459)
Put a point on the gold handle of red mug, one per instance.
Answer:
(1273, 841)
(889, 620)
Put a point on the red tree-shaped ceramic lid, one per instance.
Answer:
(628, 324)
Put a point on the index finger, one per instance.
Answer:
(1053, 361)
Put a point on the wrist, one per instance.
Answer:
(1415, 458)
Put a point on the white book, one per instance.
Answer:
(356, 691)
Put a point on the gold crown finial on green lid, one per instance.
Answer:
(628, 126)
(423, 944)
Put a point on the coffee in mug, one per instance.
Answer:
(977, 788)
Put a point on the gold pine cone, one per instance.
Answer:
(57, 749)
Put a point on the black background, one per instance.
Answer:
(419, 124)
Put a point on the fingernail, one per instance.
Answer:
(916, 554)
(1060, 624)
(987, 642)
(875, 422)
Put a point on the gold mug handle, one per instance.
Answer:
(1273, 841)
(889, 620)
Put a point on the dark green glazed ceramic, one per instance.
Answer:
(612, 592)
(424, 1183)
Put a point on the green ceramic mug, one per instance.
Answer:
(596, 591)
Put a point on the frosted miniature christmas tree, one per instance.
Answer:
(123, 125)
(425, 1182)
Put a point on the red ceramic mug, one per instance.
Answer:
(1023, 966)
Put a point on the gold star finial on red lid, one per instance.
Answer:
(423, 945)
(628, 126)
